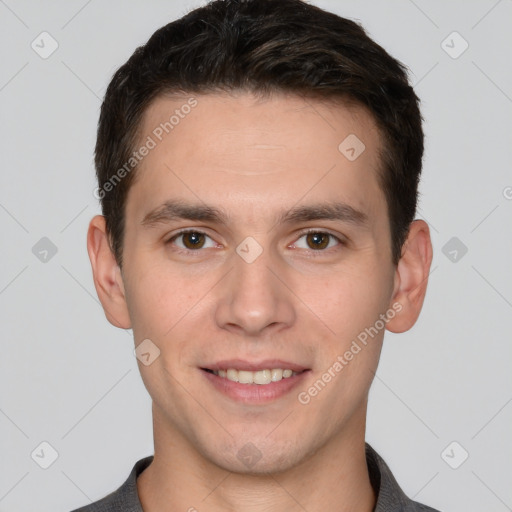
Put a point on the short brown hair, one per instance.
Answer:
(264, 46)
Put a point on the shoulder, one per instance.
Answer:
(123, 499)
(414, 506)
(390, 496)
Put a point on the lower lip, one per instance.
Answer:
(255, 393)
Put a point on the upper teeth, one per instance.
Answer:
(259, 377)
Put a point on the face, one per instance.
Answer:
(255, 243)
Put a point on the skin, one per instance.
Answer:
(255, 158)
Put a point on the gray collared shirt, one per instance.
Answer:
(390, 497)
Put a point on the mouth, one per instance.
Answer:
(260, 377)
(251, 383)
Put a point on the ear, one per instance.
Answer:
(411, 277)
(107, 274)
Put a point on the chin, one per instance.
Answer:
(256, 457)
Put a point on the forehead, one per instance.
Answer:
(253, 154)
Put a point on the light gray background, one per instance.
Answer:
(69, 378)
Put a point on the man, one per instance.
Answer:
(258, 166)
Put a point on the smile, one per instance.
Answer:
(264, 383)
(258, 377)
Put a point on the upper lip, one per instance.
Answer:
(252, 366)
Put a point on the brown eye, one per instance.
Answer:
(193, 240)
(318, 240)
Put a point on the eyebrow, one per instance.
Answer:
(173, 210)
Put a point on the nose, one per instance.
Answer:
(254, 299)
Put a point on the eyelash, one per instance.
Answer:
(316, 253)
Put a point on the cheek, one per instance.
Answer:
(348, 300)
(157, 299)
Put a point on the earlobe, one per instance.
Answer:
(106, 274)
(411, 277)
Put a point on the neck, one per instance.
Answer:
(335, 478)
